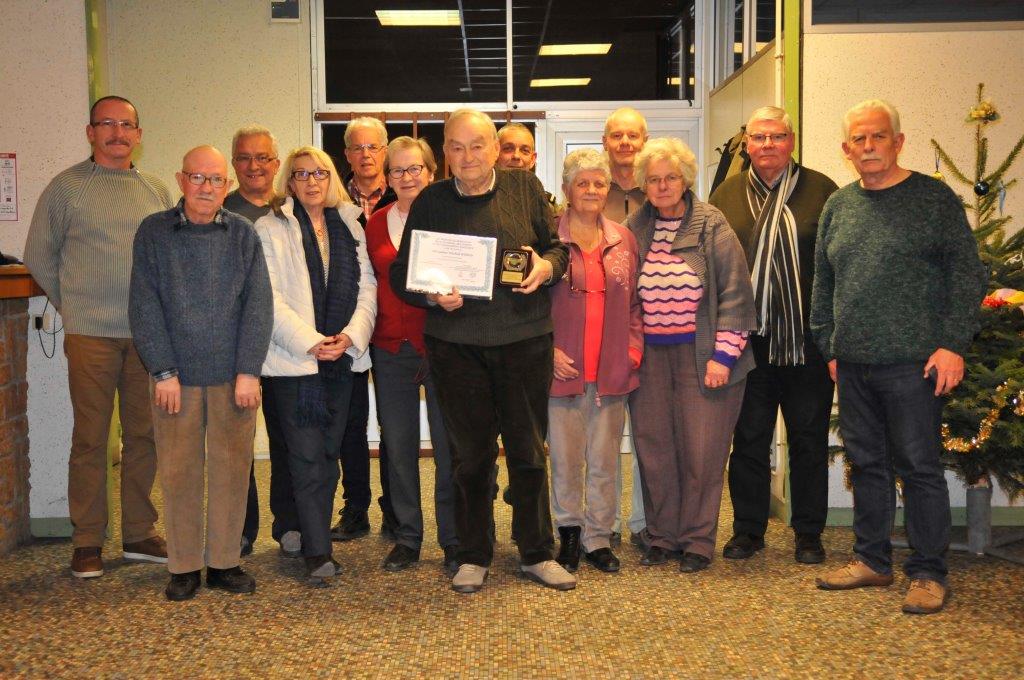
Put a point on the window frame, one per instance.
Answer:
(321, 105)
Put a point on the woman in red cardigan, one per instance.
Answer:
(399, 369)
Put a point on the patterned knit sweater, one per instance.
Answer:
(670, 292)
(79, 246)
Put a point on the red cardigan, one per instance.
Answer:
(397, 321)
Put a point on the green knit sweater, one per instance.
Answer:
(79, 246)
(897, 274)
(517, 213)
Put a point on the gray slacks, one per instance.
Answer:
(682, 439)
(584, 440)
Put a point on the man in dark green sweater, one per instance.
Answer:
(773, 208)
(897, 290)
(491, 360)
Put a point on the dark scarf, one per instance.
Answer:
(775, 267)
(333, 305)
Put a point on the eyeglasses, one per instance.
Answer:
(667, 179)
(370, 148)
(110, 124)
(570, 279)
(304, 175)
(413, 170)
(777, 138)
(261, 159)
(199, 179)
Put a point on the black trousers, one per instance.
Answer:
(484, 392)
(312, 457)
(251, 528)
(805, 395)
(282, 498)
(355, 451)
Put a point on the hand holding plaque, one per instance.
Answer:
(516, 265)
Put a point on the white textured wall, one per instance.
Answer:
(198, 70)
(44, 109)
(931, 78)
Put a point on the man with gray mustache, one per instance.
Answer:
(897, 291)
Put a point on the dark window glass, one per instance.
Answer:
(650, 56)
(765, 32)
(432, 131)
(914, 11)
(366, 62)
(738, 32)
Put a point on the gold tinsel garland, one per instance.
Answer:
(999, 401)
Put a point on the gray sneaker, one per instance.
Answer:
(549, 573)
(469, 578)
(291, 544)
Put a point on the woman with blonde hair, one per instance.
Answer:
(325, 301)
(400, 370)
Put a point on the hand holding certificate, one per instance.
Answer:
(439, 262)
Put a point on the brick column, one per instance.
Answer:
(14, 465)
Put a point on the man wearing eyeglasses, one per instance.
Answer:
(774, 207)
(79, 249)
(201, 310)
(254, 157)
(366, 142)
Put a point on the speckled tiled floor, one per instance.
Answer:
(762, 618)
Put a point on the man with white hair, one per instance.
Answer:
(254, 157)
(366, 143)
(773, 207)
(897, 291)
(492, 360)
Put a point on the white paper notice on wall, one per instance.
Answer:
(8, 187)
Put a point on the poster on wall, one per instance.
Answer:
(8, 187)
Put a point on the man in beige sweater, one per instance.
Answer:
(79, 250)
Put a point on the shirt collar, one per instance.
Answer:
(490, 187)
(183, 220)
(353, 189)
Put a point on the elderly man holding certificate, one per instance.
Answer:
(490, 349)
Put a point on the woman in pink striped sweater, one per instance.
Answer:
(698, 307)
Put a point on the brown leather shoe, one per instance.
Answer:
(925, 596)
(152, 549)
(856, 574)
(87, 562)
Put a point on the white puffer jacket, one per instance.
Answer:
(294, 323)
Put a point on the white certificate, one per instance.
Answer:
(438, 261)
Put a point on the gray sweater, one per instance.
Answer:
(79, 246)
(707, 243)
(201, 301)
(897, 274)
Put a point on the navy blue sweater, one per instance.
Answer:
(200, 300)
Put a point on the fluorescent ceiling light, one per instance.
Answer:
(569, 50)
(419, 17)
(676, 80)
(737, 48)
(559, 82)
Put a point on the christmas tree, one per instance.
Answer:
(983, 420)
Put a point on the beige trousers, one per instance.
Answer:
(97, 368)
(211, 431)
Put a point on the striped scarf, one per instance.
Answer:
(775, 267)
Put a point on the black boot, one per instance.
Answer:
(569, 553)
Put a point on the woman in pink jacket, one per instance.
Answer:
(598, 347)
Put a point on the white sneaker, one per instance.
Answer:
(291, 544)
(469, 578)
(549, 573)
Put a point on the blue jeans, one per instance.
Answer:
(890, 421)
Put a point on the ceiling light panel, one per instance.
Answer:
(566, 50)
(418, 17)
